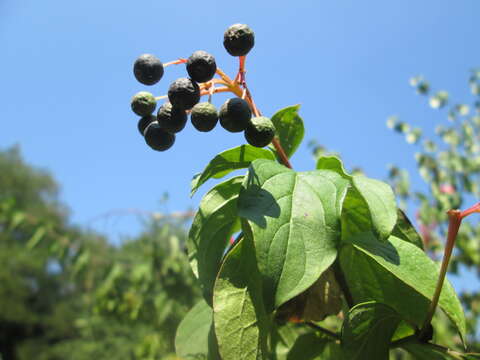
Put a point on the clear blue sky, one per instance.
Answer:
(66, 83)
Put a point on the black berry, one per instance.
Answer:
(157, 138)
(201, 66)
(143, 103)
(148, 69)
(204, 116)
(235, 115)
(184, 93)
(238, 39)
(171, 119)
(260, 131)
(144, 122)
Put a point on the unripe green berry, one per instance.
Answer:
(201, 66)
(144, 122)
(260, 131)
(171, 119)
(204, 116)
(238, 39)
(143, 103)
(184, 93)
(148, 69)
(235, 115)
(157, 138)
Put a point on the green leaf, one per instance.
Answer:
(367, 330)
(227, 161)
(313, 347)
(241, 323)
(406, 231)
(295, 220)
(427, 351)
(283, 338)
(212, 226)
(191, 340)
(332, 163)
(288, 128)
(36, 237)
(370, 204)
(399, 274)
(195, 338)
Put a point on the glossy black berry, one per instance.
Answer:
(235, 115)
(157, 138)
(143, 103)
(144, 122)
(148, 69)
(171, 119)
(204, 116)
(238, 39)
(184, 93)
(201, 66)
(260, 131)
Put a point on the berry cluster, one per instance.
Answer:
(184, 96)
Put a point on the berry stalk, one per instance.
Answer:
(455, 218)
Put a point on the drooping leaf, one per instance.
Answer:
(214, 223)
(399, 274)
(227, 161)
(332, 163)
(288, 128)
(191, 340)
(406, 231)
(367, 330)
(295, 220)
(241, 323)
(369, 206)
(313, 347)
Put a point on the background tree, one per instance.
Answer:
(449, 163)
(66, 293)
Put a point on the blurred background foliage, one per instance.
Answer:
(69, 293)
(66, 293)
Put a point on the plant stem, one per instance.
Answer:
(337, 271)
(323, 330)
(455, 219)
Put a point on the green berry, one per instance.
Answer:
(171, 119)
(143, 103)
(144, 122)
(184, 93)
(157, 138)
(235, 115)
(201, 66)
(148, 69)
(238, 39)
(260, 131)
(204, 116)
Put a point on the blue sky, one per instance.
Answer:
(66, 83)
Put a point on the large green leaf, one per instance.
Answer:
(193, 339)
(241, 323)
(214, 223)
(295, 220)
(423, 351)
(227, 161)
(312, 347)
(404, 230)
(367, 330)
(370, 205)
(399, 274)
(288, 128)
